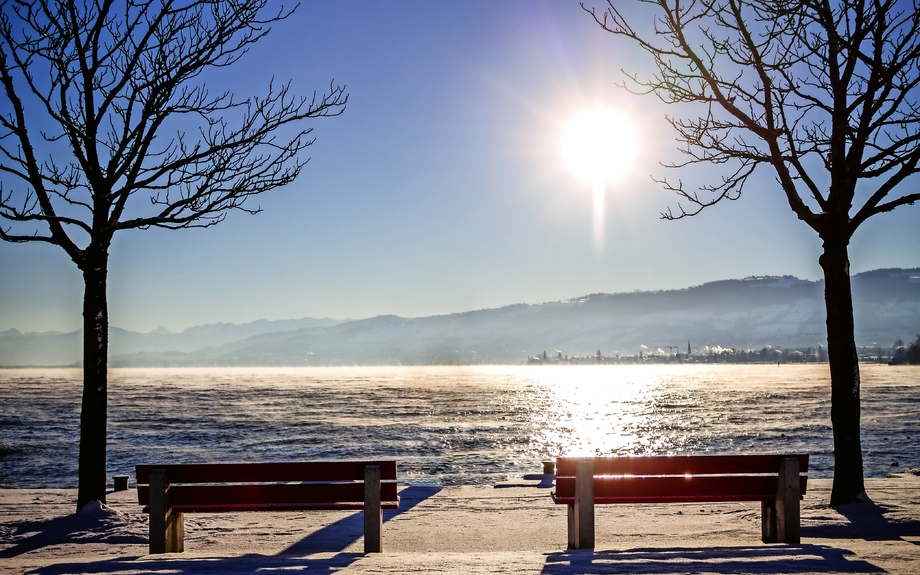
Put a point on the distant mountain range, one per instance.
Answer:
(747, 313)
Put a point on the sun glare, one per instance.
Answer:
(599, 145)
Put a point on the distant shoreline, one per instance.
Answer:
(460, 365)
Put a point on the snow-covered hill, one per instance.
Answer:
(746, 313)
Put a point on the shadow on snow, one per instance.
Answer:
(331, 539)
(728, 560)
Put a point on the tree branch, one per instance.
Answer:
(118, 85)
(824, 93)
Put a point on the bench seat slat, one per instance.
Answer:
(681, 464)
(263, 472)
(303, 495)
(674, 489)
(660, 499)
(238, 508)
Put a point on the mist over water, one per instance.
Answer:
(449, 425)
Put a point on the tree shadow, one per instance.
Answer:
(728, 560)
(867, 521)
(333, 538)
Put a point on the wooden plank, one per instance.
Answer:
(681, 464)
(265, 472)
(674, 489)
(268, 494)
(231, 508)
(388, 491)
(160, 512)
(787, 503)
(280, 507)
(373, 516)
(572, 526)
(584, 505)
(768, 521)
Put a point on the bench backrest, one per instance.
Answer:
(680, 478)
(251, 486)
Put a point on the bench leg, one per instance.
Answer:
(373, 515)
(584, 505)
(788, 523)
(573, 527)
(768, 521)
(175, 532)
(167, 527)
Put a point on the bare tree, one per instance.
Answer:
(106, 125)
(822, 94)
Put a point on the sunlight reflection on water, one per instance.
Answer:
(448, 425)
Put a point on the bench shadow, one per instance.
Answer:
(867, 521)
(91, 525)
(330, 539)
(176, 564)
(728, 560)
(348, 530)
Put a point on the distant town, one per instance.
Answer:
(898, 354)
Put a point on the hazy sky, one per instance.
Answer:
(441, 189)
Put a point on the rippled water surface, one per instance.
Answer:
(448, 425)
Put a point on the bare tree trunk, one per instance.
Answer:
(95, 381)
(841, 352)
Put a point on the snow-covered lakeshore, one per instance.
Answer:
(510, 528)
(462, 437)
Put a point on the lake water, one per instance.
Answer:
(449, 425)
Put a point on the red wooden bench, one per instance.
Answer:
(777, 481)
(170, 491)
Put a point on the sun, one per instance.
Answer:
(599, 145)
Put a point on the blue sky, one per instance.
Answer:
(441, 189)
